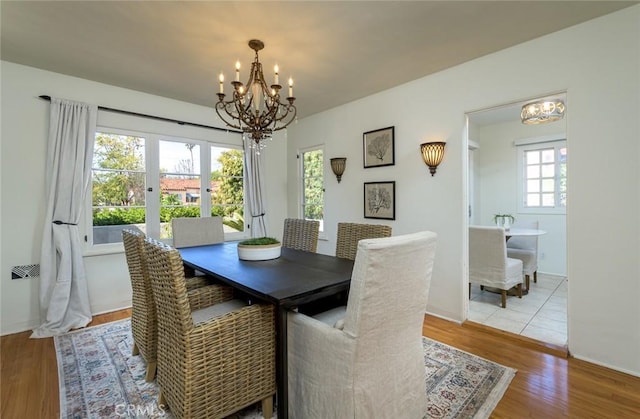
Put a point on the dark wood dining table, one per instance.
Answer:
(295, 278)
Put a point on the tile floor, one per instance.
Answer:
(540, 315)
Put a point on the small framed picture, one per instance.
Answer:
(379, 148)
(380, 200)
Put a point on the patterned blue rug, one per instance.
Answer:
(99, 378)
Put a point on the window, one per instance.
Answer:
(143, 181)
(118, 179)
(312, 167)
(227, 187)
(543, 177)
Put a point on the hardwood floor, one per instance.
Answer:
(29, 373)
(545, 386)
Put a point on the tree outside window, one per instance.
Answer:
(313, 185)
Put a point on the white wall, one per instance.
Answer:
(598, 64)
(24, 133)
(496, 170)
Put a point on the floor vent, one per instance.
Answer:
(25, 271)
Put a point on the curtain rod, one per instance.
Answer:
(157, 118)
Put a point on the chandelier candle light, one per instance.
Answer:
(255, 108)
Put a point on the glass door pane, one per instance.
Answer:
(179, 183)
(118, 186)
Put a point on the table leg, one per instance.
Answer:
(282, 379)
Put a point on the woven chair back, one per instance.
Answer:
(144, 326)
(349, 234)
(301, 234)
(166, 273)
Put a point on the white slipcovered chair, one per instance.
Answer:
(525, 248)
(366, 360)
(488, 262)
(196, 231)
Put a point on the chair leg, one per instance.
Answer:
(162, 402)
(527, 280)
(135, 351)
(535, 277)
(469, 290)
(482, 287)
(504, 298)
(267, 407)
(151, 371)
(519, 288)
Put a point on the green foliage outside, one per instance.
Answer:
(121, 216)
(313, 185)
(231, 189)
(118, 176)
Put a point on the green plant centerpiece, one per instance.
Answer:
(259, 248)
(504, 220)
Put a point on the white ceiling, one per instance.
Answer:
(336, 52)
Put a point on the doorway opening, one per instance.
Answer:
(500, 182)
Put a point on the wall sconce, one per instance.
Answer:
(337, 165)
(432, 154)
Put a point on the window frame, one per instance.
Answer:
(301, 201)
(152, 179)
(555, 142)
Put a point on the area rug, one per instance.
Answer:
(99, 378)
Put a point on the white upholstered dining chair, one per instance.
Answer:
(365, 359)
(489, 265)
(196, 231)
(525, 248)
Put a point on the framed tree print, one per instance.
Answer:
(380, 200)
(379, 148)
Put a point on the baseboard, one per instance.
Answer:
(30, 325)
(19, 328)
(552, 274)
(549, 348)
(111, 310)
(443, 317)
(606, 365)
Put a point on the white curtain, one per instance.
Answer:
(64, 298)
(253, 168)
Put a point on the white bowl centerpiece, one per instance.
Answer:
(260, 248)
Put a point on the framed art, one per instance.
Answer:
(379, 147)
(380, 200)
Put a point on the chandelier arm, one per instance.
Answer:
(242, 114)
(290, 114)
(222, 105)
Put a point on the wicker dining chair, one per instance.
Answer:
(214, 361)
(349, 234)
(301, 234)
(144, 326)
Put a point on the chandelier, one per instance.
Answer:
(255, 108)
(540, 112)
